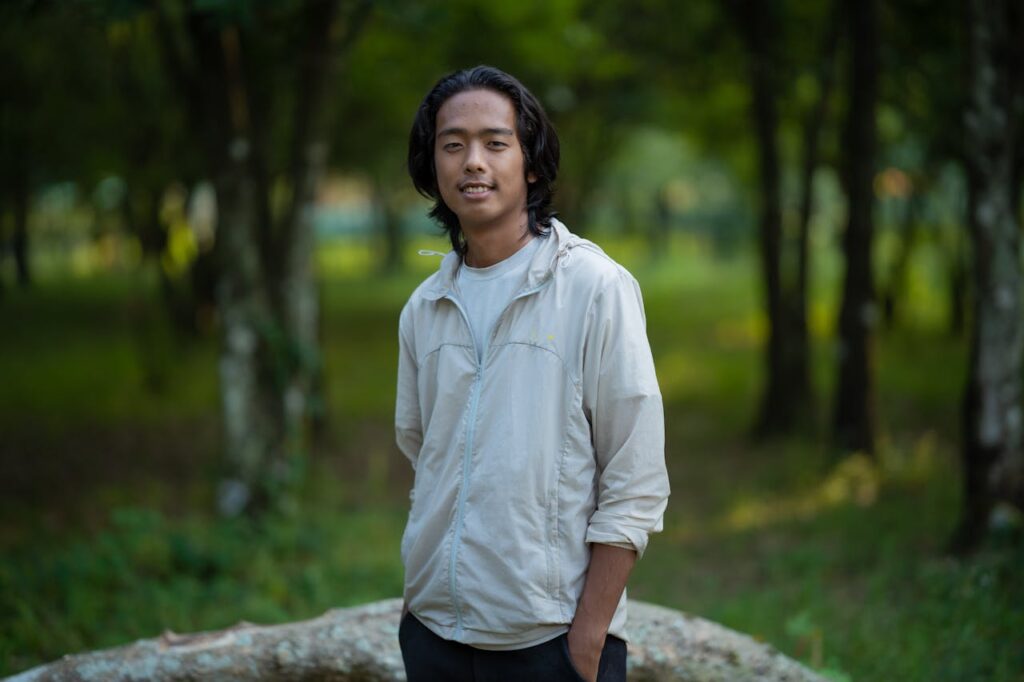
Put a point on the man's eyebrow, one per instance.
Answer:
(485, 131)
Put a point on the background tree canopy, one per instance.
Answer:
(207, 233)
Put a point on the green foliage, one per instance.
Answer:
(144, 573)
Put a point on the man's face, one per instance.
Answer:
(479, 161)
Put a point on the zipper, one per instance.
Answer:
(466, 455)
(474, 404)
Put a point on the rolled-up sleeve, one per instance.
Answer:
(408, 424)
(623, 404)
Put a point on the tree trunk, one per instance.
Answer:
(140, 211)
(249, 411)
(294, 288)
(781, 397)
(854, 421)
(959, 275)
(265, 290)
(799, 334)
(896, 284)
(249, 403)
(661, 229)
(19, 238)
(250, 407)
(3, 244)
(390, 225)
(993, 450)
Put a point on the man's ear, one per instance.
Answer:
(531, 178)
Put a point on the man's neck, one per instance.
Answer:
(489, 246)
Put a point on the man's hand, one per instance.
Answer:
(606, 579)
(585, 646)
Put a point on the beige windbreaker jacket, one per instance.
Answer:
(555, 440)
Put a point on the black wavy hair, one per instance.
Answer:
(536, 134)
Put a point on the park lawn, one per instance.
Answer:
(109, 450)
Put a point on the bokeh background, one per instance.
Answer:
(208, 233)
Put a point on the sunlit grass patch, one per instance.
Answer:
(855, 480)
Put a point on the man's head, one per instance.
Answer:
(431, 158)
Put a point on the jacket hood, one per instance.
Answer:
(554, 251)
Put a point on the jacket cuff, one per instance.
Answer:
(610, 530)
(620, 545)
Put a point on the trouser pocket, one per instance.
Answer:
(567, 658)
(612, 667)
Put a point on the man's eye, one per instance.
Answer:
(451, 146)
(497, 144)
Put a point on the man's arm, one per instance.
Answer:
(606, 579)
(408, 429)
(623, 402)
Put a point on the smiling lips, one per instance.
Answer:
(475, 188)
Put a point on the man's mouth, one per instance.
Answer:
(475, 187)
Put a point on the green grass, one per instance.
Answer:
(144, 573)
(109, 448)
(98, 350)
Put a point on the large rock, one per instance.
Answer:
(361, 643)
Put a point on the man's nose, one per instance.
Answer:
(474, 158)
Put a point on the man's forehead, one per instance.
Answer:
(476, 111)
(456, 130)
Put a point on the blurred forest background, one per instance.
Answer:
(207, 235)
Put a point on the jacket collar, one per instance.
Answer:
(554, 250)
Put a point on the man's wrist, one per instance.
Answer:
(606, 579)
(586, 643)
(588, 629)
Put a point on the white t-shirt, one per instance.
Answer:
(486, 292)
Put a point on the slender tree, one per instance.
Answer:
(811, 142)
(757, 23)
(232, 76)
(786, 398)
(19, 239)
(993, 450)
(909, 234)
(854, 420)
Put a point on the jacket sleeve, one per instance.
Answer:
(408, 426)
(623, 404)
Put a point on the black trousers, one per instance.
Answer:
(429, 658)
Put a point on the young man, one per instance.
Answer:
(528, 406)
